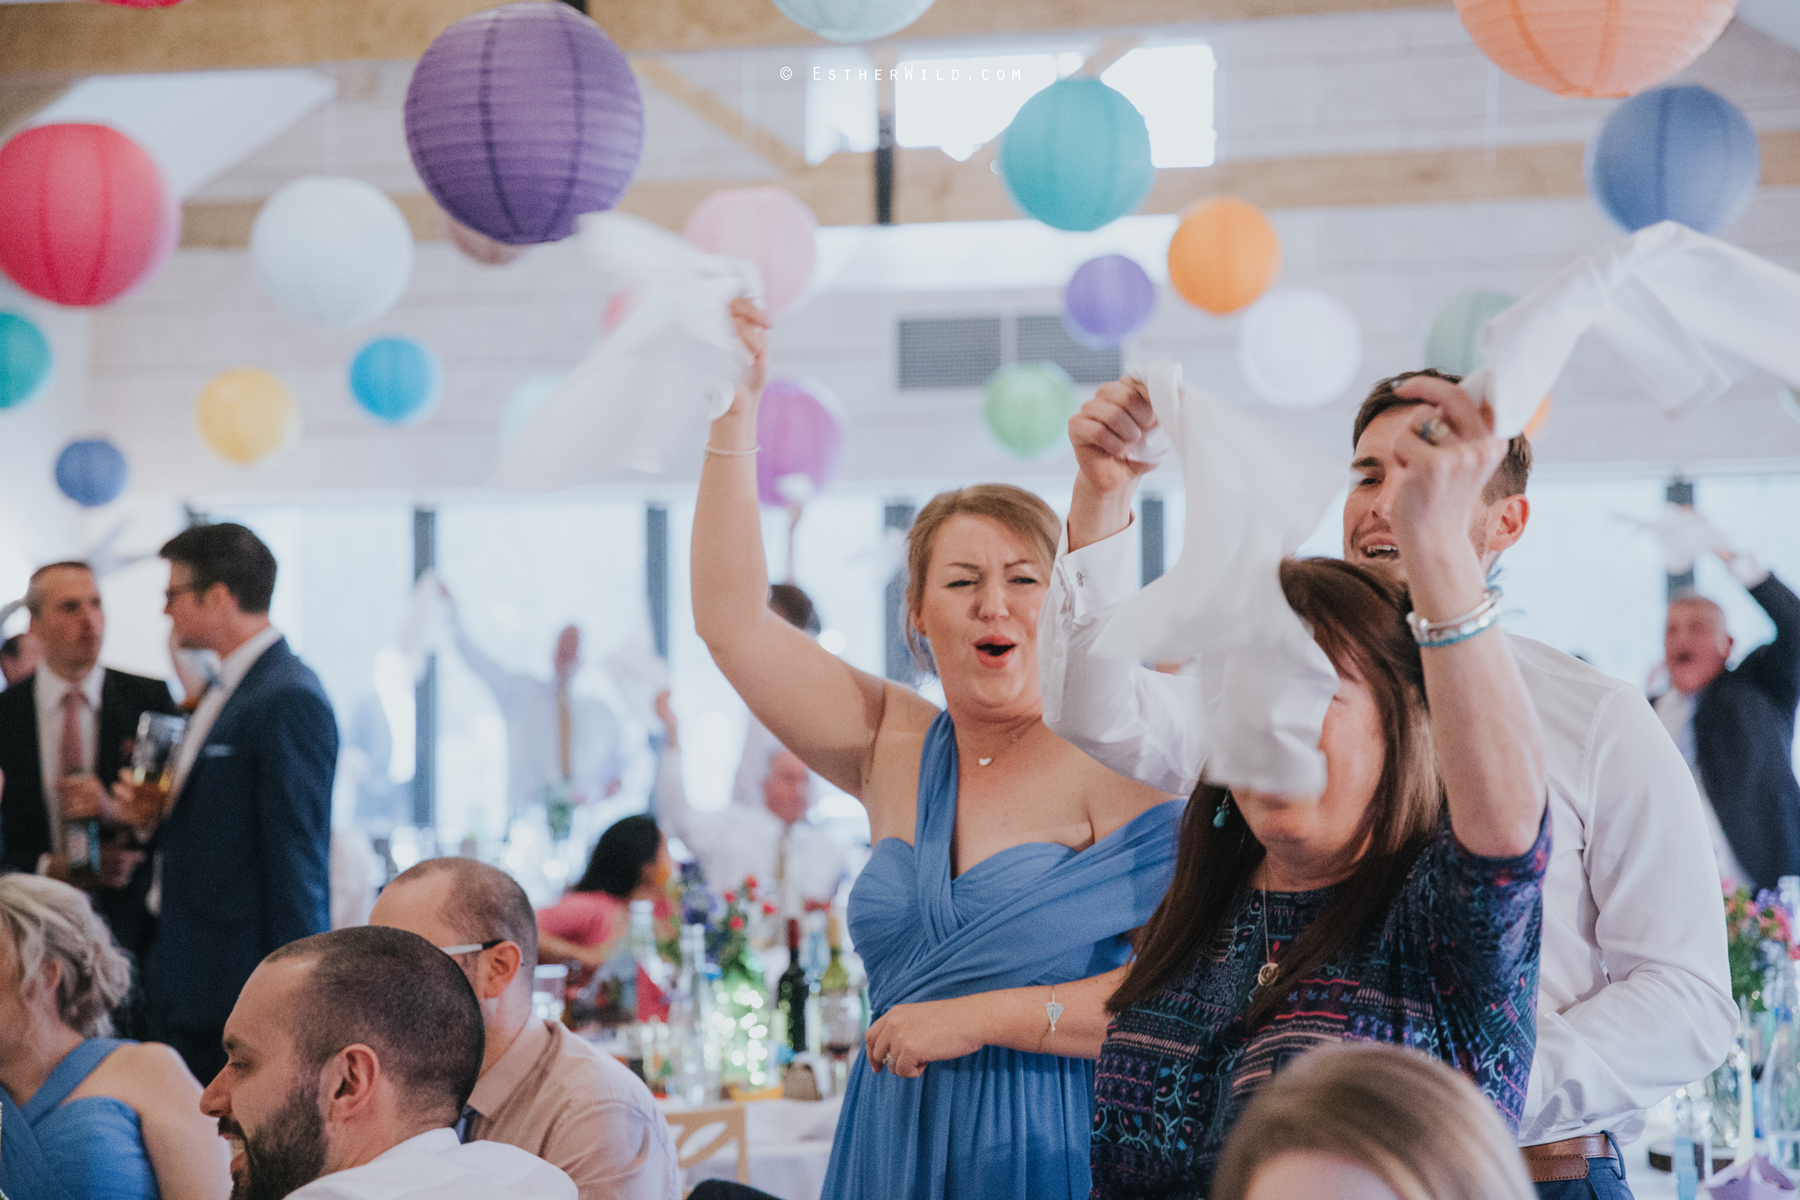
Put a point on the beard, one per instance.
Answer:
(287, 1153)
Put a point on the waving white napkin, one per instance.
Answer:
(1687, 314)
(641, 400)
(1251, 500)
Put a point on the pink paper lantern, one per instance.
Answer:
(88, 214)
(765, 226)
(800, 429)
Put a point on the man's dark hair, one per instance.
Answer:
(227, 554)
(620, 856)
(1509, 477)
(485, 903)
(399, 995)
(795, 607)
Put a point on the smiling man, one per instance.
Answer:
(1633, 946)
(349, 1057)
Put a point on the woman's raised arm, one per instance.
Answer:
(819, 706)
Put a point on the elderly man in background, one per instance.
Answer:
(541, 1089)
(351, 1055)
(1735, 725)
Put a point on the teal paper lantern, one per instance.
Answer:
(1453, 345)
(396, 380)
(1077, 156)
(852, 20)
(24, 360)
(1027, 407)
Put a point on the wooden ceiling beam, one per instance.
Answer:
(199, 35)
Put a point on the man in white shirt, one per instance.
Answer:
(1635, 995)
(349, 1058)
(541, 1089)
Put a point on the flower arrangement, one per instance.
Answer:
(730, 919)
(1759, 936)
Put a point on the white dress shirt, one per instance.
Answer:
(1634, 990)
(232, 670)
(436, 1166)
(48, 690)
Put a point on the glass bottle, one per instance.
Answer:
(693, 1048)
(840, 1004)
(81, 846)
(1780, 1082)
(1691, 1157)
(791, 993)
(652, 971)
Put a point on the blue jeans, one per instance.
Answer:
(1605, 1181)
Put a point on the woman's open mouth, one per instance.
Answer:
(995, 651)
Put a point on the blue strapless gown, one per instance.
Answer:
(999, 1123)
(87, 1149)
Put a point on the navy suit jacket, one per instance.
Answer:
(245, 848)
(1744, 741)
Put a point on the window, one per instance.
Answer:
(961, 104)
(1172, 86)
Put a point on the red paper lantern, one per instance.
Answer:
(85, 213)
(1594, 48)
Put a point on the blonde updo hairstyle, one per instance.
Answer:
(1427, 1131)
(42, 920)
(1025, 514)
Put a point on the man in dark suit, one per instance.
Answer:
(243, 836)
(1735, 725)
(65, 731)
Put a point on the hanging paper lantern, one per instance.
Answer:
(246, 415)
(396, 380)
(852, 20)
(1027, 407)
(24, 360)
(88, 214)
(91, 472)
(1594, 48)
(1223, 256)
(1108, 299)
(764, 225)
(1299, 348)
(526, 399)
(523, 117)
(480, 247)
(1674, 154)
(143, 3)
(336, 253)
(1453, 343)
(1077, 155)
(800, 429)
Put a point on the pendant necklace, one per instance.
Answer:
(1265, 974)
(982, 762)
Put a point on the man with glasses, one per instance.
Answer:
(541, 1088)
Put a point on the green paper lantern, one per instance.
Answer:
(1077, 156)
(1027, 407)
(24, 360)
(1453, 343)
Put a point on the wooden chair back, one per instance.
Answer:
(693, 1145)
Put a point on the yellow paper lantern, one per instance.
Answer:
(1224, 255)
(246, 415)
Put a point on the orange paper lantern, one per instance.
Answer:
(1594, 48)
(1224, 255)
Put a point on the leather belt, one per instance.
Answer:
(1554, 1162)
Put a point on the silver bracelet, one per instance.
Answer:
(712, 449)
(1052, 1009)
(1457, 629)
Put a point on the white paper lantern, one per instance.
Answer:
(1299, 348)
(336, 253)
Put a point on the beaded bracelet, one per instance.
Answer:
(1458, 629)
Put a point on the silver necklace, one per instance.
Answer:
(1265, 974)
(982, 762)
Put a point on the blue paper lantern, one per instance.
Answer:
(24, 360)
(1108, 299)
(853, 20)
(1077, 155)
(1674, 154)
(523, 117)
(91, 472)
(396, 380)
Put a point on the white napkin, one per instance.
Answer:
(1687, 314)
(641, 399)
(1251, 500)
(1684, 535)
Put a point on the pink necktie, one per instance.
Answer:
(74, 761)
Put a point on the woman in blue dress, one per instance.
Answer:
(84, 1116)
(1003, 857)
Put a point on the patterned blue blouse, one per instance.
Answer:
(1452, 970)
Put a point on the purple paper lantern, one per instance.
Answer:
(1108, 299)
(800, 429)
(523, 117)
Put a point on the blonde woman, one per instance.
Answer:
(1370, 1122)
(87, 1116)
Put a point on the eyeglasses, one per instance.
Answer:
(170, 594)
(470, 947)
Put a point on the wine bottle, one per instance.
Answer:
(791, 994)
(840, 1007)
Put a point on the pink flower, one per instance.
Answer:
(750, 883)
(737, 922)
(731, 897)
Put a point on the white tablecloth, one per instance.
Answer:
(790, 1146)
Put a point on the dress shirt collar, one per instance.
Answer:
(49, 688)
(237, 664)
(499, 1081)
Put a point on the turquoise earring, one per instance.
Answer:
(1224, 807)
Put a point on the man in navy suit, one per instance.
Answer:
(1735, 726)
(243, 837)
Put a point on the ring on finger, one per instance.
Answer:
(890, 1061)
(1434, 432)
